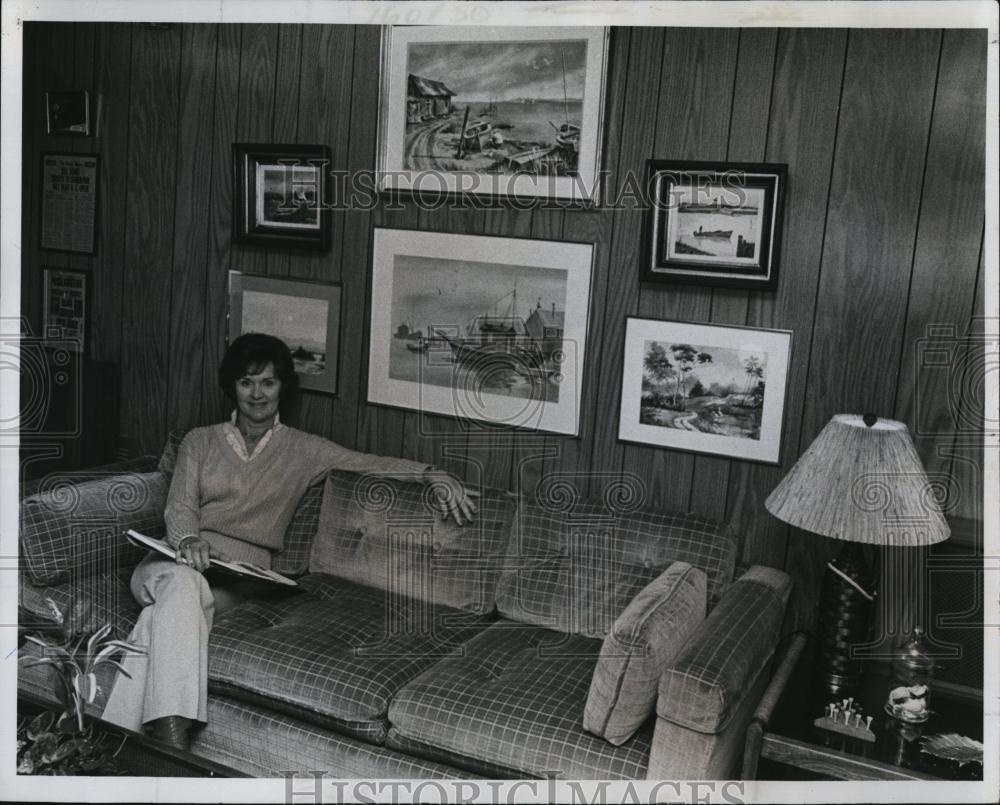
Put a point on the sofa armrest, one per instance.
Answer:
(769, 701)
(703, 688)
(80, 527)
(76, 477)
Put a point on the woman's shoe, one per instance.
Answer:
(173, 731)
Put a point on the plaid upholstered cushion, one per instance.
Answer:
(335, 654)
(643, 641)
(79, 526)
(513, 696)
(705, 684)
(293, 558)
(168, 458)
(389, 535)
(577, 573)
(124, 467)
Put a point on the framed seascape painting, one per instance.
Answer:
(705, 388)
(305, 315)
(281, 195)
(493, 111)
(487, 329)
(714, 223)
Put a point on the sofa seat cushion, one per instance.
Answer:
(575, 570)
(390, 535)
(97, 599)
(513, 697)
(334, 654)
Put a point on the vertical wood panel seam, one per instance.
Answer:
(916, 226)
(165, 425)
(202, 408)
(819, 270)
(125, 211)
(732, 106)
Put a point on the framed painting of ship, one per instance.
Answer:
(281, 195)
(490, 330)
(305, 315)
(714, 223)
(705, 388)
(497, 111)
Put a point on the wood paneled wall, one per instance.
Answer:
(883, 132)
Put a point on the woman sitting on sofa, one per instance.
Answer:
(233, 493)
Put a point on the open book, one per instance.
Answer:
(243, 569)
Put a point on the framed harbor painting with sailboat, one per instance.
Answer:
(493, 111)
(305, 315)
(715, 223)
(487, 329)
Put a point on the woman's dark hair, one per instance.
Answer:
(249, 354)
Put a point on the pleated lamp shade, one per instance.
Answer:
(861, 483)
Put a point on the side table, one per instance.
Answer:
(789, 746)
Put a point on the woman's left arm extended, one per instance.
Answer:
(449, 492)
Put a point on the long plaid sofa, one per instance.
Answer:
(420, 649)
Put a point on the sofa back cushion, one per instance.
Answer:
(389, 535)
(575, 570)
(66, 526)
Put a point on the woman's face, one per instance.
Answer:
(258, 394)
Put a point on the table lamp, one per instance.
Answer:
(860, 481)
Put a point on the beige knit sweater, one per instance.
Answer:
(237, 505)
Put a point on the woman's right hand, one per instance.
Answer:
(196, 552)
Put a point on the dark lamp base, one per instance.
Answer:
(845, 618)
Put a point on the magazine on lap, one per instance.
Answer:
(244, 570)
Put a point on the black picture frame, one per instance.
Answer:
(66, 308)
(68, 202)
(294, 212)
(68, 113)
(737, 208)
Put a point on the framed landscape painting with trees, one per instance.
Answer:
(705, 388)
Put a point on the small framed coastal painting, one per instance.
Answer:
(714, 223)
(705, 388)
(490, 330)
(281, 195)
(493, 111)
(305, 315)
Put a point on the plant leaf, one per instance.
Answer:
(40, 725)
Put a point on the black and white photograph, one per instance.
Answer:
(500, 402)
(500, 339)
(518, 113)
(305, 315)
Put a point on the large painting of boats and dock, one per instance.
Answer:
(505, 110)
(305, 315)
(480, 327)
(704, 387)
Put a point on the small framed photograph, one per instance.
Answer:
(67, 113)
(66, 317)
(714, 223)
(305, 315)
(705, 388)
(486, 329)
(69, 203)
(281, 195)
(493, 111)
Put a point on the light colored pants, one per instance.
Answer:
(171, 679)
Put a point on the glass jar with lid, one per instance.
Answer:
(912, 672)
